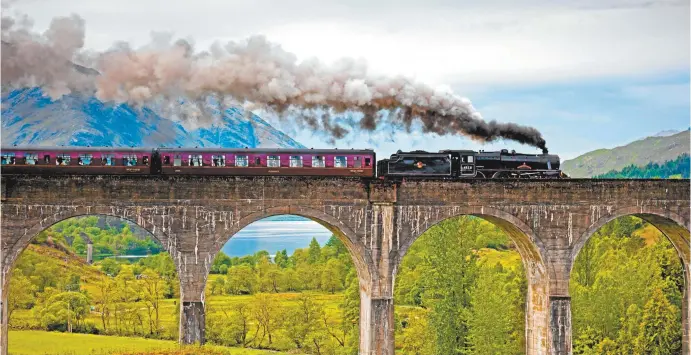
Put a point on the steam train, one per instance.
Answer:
(276, 162)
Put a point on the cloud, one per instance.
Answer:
(490, 42)
(669, 95)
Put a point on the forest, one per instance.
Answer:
(679, 168)
(626, 292)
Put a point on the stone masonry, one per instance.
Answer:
(193, 217)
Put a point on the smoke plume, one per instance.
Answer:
(255, 73)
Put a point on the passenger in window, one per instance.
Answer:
(214, 162)
(58, 161)
(79, 161)
(166, 160)
(46, 159)
(145, 160)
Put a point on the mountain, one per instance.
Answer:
(666, 133)
(30, 118)
(639, 153)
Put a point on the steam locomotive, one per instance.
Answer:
(276, 162)
(470, 164)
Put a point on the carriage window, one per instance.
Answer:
(218, 160)
(145, 160)
(129, 160)
(196, 160)
(241, 160)
(166, 160)
(31, 158)
(46, 159)
(273, 161)
(340, 162)
(63, 159)
(368, 161)
(7, 159)
(107, 159)
(357, 163)
(178, 160)
(84, 159)
(296, 161)
(318, 161)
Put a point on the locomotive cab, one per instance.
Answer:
(462, 162)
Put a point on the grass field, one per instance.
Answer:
(40, 342)
(51, 343)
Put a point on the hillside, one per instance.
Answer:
(639, 153)
(29, 118)
(679, 168)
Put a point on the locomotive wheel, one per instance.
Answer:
(500, 175)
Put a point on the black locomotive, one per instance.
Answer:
(470, 164)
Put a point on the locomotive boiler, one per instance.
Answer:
(503, 164)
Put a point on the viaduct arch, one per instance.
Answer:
(671, 225)
(377, 220)
(532, 252)
(360, 256)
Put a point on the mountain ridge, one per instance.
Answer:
(653, 149)
(31, 118)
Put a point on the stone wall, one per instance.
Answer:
(193, 217)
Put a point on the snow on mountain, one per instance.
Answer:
(30, 118)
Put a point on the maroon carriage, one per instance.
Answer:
(75, 160)
(277, 162)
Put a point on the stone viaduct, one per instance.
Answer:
(193, 217)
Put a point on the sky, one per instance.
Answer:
(588, 74)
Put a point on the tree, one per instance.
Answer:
(291, 280)
(234, 326)
(151, 294)
(104, 299)
(241, 280)
(336, 243)
(332, 276)
(447, 288)
(64, 309)
(418, 337)
(490, 331)
(303, 319)
(268, 313)
(21, 295)
(660, 327)
(110, 267)
(281, 259)
(314, 253)
(346, 330)
(627, 341)
(220, 261)
(218, 285)
(78, 245)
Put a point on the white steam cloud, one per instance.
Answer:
(254, 72)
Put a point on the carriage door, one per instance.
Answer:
(156, 166)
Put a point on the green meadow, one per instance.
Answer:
(35, 342)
